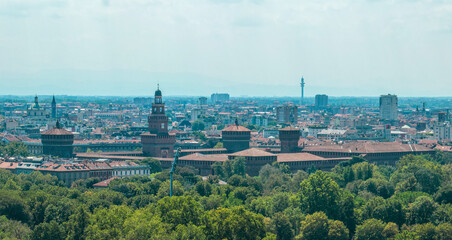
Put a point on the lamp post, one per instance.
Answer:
(172, 171)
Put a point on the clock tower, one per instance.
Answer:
(158, 142)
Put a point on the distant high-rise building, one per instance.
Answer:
(321, 101)
(443, 116)
(219, 97)
(388, 107)
(54, 110)
(202, 101)
(287, 114)
(442, 130)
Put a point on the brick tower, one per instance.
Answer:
(57, 142)
(236, 138)
(289, 137)
(158, 142)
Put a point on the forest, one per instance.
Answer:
(355, 200)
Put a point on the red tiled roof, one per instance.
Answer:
(57, 131)
(235, 128)
(252, 152)
(54, 167)
(202, 157)
(297, 157)
(9, 165)
(104, 183)
(97, 165)
(444, 148)
(366, 147)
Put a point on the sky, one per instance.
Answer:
(242, 47)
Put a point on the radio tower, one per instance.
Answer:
(302, 91)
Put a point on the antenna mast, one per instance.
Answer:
(302, 91)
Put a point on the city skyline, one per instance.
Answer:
(254, 48)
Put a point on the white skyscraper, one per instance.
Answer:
(388, 107)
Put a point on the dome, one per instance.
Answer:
(158, 93)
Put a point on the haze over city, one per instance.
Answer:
(253, 48)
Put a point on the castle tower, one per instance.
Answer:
(236, 138)
(289, 137)
(57, 142)
(54, 110)
(158, 142)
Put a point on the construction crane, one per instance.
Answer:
(173, 168)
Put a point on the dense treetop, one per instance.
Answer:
(357, 199)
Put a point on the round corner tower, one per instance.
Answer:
(236, 138)
(57, 142)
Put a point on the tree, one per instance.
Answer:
(391, 229)
(444, 194)
(217, 168)
(164, 189)
(425, 231)
(77, 224)
(198, 125)
(179, 210)
(11, 229)
(218, 145)
(236, 166)
(347, 210)
(233, 223)
(337, 230)
(239, 166)
(364, 170)
(320, 193)
(281, 226)
(14, 149)
(107, 223)
(13, 206)
(318, 227)
(442, 214)
(390, 210)
(421, 210)
(370, 229)
(187, 232)
(314, 227)
(154, 164)
(51, 230)
(444, 231)
(203, 188)
(406, 235)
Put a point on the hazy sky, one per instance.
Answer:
(196, 47)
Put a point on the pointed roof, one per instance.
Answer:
(57, 130)
(236, 128)
(158, 93)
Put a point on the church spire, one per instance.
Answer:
(54, 111)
